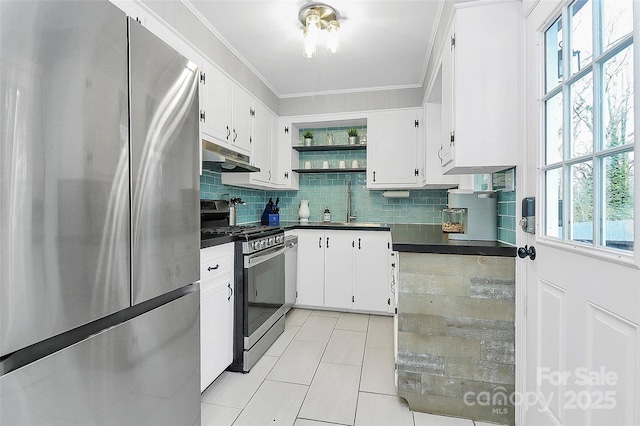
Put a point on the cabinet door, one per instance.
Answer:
(447, 68)
(310, 282)
(338, 270)
(392, 152)
(262, 144)
(215, 100)
(485, 103)
(434, 147)
(372, 273)
(216, 328)
(286, 156)
(242, 132)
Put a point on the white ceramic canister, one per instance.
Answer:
(304, 211)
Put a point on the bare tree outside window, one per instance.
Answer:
(597, 150)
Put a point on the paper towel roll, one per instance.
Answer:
(395, 194)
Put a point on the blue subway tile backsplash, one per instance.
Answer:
(329, 190)
(506, 210)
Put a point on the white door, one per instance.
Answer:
(392, 152)
(216, 96)
(216, 328)
(372, 276)
(579, 300)
(338, 270)
(446, 69)
(242, 132)
(262, 144)
(310, 282)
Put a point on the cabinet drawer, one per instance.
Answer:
(216, 261)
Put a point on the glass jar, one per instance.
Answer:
(453, 220)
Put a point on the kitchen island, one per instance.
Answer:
(456, 324)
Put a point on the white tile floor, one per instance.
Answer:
(326, 368)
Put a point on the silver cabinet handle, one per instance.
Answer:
(230, 291)
(213, 269)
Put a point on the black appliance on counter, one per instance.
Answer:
(259, 282)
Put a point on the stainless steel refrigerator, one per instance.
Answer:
(99, 220)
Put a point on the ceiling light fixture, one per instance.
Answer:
(314, 18)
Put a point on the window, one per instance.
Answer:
(588, 159)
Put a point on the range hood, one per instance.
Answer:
(220, 159)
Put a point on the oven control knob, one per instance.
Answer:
(256, 245)
(263, 244)
(271, 241)
(278, 239)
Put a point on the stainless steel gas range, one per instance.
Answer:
(260, 288)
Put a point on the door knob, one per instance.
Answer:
(527, 251)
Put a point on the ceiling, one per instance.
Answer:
(384, 44)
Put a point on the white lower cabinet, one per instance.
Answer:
(344, 270)
(338, 270)
(372, 272)
(216, 312)
(310, 282)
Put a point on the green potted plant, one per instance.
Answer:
(353, 136)
(308, 137)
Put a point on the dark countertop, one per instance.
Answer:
(417, 238)
(338, 226)
(217, 240)
(411, 238)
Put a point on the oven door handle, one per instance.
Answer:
(251, 261)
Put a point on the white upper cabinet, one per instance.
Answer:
(480, 89)
(226, 111)
(394, 148)
(264, 153)
(263, 144)
(216, 94)
(434, 152)
(283, 176)
(243, 113)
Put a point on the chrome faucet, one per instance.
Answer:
(349, 217)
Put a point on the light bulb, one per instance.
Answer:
(313, 23)
(309, 45)
(311, 32)
(333, 42)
